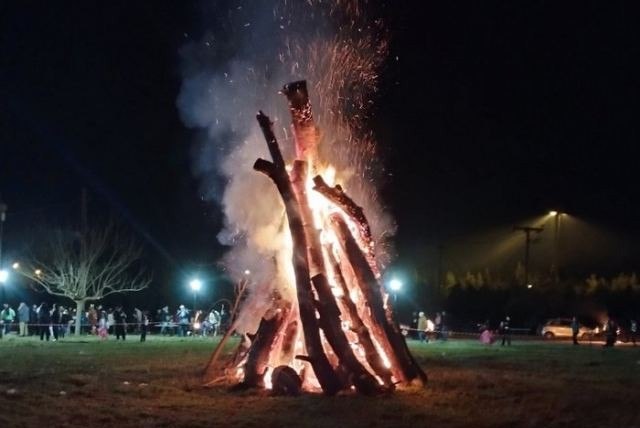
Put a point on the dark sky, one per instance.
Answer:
(490, 114)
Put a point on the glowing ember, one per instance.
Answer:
(267, 378)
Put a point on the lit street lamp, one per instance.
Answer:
(395, 285)
(195, 285)
(4, 277)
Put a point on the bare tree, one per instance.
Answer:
(87, 266)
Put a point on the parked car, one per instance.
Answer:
(561, 327)
(622, 334)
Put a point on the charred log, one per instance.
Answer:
(396, 346)
(285, 381)
(330, 323)
(261, 345)
(346, 204)
(276, 171)
(304, 129)
(327, 307)
(360, 329)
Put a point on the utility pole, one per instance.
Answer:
(555, 266)
(527, 233)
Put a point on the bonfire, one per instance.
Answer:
(336, 330)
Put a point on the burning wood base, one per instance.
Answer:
(349, 338)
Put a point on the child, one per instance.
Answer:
(103, 330)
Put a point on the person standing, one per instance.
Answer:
(444, 331)
(92, 316)
(214, 321)
(111, 321)
(183, 320)
(54, 321)
(65, 322)
(611, 333)
(121, 323)
(137, 313)
(7, 315)
(23, 318)
(505, 331)
(575, 329)
(633, 328)
(422, 327)
(438, 325)
(33, 320)
(103, 329)
(44, 319)
(144, 326)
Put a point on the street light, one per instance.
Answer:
(395, 285)
(4, 277)
(195, 285)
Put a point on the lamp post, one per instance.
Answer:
(4, 277)
(395, 285)
(555, 263)
(527, 232)
(195, 285)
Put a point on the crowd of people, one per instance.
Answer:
(54, 322)
(427, 328)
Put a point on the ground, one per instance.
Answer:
(530, 384)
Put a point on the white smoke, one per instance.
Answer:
(236, 69)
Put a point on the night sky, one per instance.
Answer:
(488, 114)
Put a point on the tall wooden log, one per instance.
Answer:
(338, 197)
(411, 371)
(359, 328)
(327, 307)
(276, 171)
(304, 128)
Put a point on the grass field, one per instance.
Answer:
(531, 384)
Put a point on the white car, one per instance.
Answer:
(561, 327)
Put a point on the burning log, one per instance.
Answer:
(353, 210)
(372, 356)
(261, 346)
(356, 374)
(304, 128)
(327, 307)
(395, 347)
(276, 171)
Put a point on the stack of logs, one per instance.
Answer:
(370, 355)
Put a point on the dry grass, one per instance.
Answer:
(156, 384)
